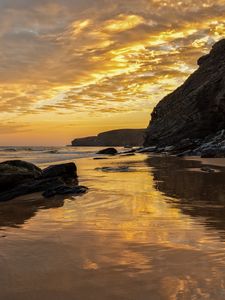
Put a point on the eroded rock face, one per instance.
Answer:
(197, 108)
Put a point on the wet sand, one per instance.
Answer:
(220, 162)
(155, 232)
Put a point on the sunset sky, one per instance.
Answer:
(72, 68)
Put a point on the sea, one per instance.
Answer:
(150, 227)
(42, 154)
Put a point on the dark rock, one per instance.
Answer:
(160, 149)
(65, 190)
(31, 186)
(15, 166)
(184, 146)
(196, 109)
(15, 172)
(212, 146)
(213, 153)
(169, 148)
(52, 152)
(147, 149)
(209, 153)
(113, 138)
(185, 153)
(18, 178)
(207, 169)
(89, 141)
(67, 170)
(109, 151)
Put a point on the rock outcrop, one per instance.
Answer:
(108, 151)
(18, 178)
(196, 109)
(13, 173)
(120, 137)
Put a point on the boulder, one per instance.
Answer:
(208, 170)
(67, 170)
(15, 172)
(18, 178)
(20, 166)
(108, 151)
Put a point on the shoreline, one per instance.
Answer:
(219, 162)
(83, 162)
(135, 225)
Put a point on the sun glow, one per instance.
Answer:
(97, 62)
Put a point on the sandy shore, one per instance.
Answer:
(156, 229)
(220, 162)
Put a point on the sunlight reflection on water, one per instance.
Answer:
(154, 233)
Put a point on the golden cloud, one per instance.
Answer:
(90, 58)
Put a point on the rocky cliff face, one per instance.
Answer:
(197, 108)
(120, 137)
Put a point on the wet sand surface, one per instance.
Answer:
(154, 231)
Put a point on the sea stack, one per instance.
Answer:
(197, 108)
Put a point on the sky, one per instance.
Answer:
(72, 68)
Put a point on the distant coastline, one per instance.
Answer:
(119, 137)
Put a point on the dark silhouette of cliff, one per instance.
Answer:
(197, 108)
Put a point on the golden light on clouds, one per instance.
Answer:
(79, 26)
(122, 23)
(70, 69)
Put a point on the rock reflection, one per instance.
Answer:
(135, 235)
(16, 212)
(200, 194)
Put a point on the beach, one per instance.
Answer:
(152, 230)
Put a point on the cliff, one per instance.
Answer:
(120, 137)
(197, 108)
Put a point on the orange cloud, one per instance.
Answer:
(65, 59)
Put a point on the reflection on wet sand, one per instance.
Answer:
(134, 235)
(199, 194)
(16, 212)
